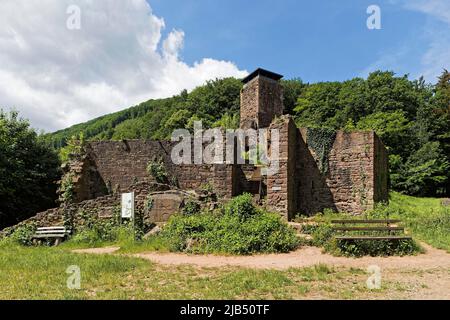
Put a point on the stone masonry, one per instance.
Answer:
(356, 179)
(261, 99)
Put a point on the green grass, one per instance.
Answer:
(40, 273)
(426, 218)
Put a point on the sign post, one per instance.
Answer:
(128, 206)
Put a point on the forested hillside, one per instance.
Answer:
(411, 116)
(156, 119)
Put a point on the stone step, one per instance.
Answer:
(304, 236)
(299, 226)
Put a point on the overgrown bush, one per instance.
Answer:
(96, 231)
(191, 207)
(74, 148)
(158, 171)
(23, 235)
(239, 228)
(241, 207)
(67, 189)
(102, 232)
(359, 248)
(324, 236)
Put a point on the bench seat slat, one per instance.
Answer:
(374, 238)
(368, 228)
(50, 228)
(364, 221)
(50, 231)
(49, 236)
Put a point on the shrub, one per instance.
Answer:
(359, 248)
(240, 228)
(323, 236)
(241, 206)
(104, 233)
(23, 234)
(191, 207)
(158, 171)
(95, 231)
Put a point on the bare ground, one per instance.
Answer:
(304, 257)
(425, 276)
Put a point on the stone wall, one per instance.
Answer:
(270, 101)
(356, 178)
(281, 187)
(381, 171)
(117, 165)
(354, 181)
(250, 104)
(165, 203)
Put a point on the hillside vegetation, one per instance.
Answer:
(411, 117)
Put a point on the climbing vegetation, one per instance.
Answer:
(321, 140)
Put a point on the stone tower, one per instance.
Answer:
(261, 99)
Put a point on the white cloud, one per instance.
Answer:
(437, 31)
(174, 43)
(437, 8)
(433, 41)
(57, 77)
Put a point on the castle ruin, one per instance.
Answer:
(341, 171)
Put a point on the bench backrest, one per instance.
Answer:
(52, 231)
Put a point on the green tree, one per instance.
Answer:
(425, 172)
(215, 98)
(228, 121)
(292, 89)
(391, 127)
(29, 169)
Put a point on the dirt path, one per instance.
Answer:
(304, 257)
(106, 250)
(425, 276)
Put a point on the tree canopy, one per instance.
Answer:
(28, 171)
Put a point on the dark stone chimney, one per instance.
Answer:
(261, 99)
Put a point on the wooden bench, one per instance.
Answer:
(385, 225)
(57, 233)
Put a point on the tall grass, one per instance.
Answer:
(426, 218)
(40, 273)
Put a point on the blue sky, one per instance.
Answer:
(314, 40)
(69, 61)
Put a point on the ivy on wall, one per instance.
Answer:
(321, 140)
(67, 189)
(158, 171)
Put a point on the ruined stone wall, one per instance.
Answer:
(164, 203)
(281, 187)
(120, 164)
(381, 171)
(354, 180)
